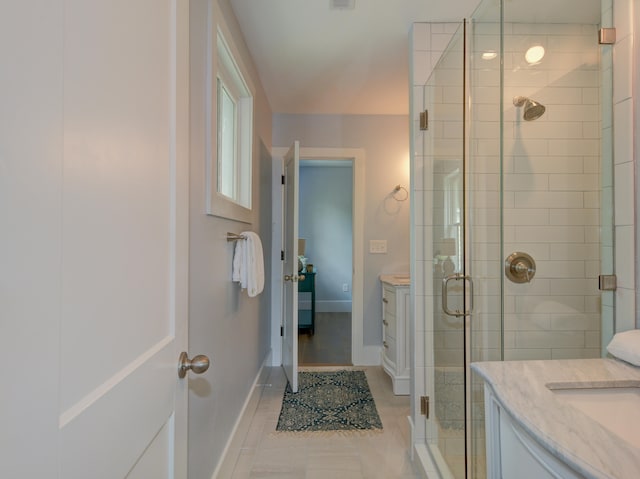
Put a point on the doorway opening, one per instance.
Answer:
(325, 250)
(359, 354)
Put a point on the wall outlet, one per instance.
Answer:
(378, 246)
(345, 288)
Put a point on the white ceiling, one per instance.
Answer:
(316, 60)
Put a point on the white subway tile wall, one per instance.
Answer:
(555, 184)
(551, 187)
(557, 196)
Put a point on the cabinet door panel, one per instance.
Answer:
(389, 301)
(391, 327)
(390, 350)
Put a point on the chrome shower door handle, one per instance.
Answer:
(445, 292)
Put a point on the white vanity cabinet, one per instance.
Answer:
(395, 331)
(512, 452)
(550, 419)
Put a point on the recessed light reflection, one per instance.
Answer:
(534, 54)
(489, 55)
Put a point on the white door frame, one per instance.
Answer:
(360, 355)
(290, 264)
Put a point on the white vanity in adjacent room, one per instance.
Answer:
(395, 330)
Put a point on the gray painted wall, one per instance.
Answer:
(326, 224)
(224, 323)
(385, 139)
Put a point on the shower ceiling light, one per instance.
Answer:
(490, 55)
(534, 54)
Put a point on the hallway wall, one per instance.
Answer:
(385, 141)
(326, 223)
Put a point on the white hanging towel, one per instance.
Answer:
(239, 274)
(248, 264)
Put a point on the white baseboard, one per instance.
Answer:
(333, 306)
(249, 407)
(327, 306)
(368, 356)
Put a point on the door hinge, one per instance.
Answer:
(282, 255)
(607, 36)
(282, 179)
(424, 120)
(607, 282)
(424, 406)
(281, 331)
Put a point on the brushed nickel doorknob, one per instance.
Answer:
(198, 364)
(294, 278)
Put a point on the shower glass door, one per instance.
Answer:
(466, 310)
(505, 176)
(446, 241)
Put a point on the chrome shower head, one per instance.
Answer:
(532, 109)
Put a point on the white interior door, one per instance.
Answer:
(290, 303)
(94, 208)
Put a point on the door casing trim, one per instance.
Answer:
(360, 355)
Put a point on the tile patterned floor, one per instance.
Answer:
(258, 452)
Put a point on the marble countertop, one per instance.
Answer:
(566, 432)
(396, 279)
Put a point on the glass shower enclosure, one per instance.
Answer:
(517, 209)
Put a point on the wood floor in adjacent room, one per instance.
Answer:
(257, 451)
(331, 343)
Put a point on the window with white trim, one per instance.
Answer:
(234, 130)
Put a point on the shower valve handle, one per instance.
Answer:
(520, 267)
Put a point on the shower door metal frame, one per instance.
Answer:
(463, 276)
(466, 273)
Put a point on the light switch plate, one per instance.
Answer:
(378, 246)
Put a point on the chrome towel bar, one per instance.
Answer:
(235, 237)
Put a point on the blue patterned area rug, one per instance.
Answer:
(329, 401)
